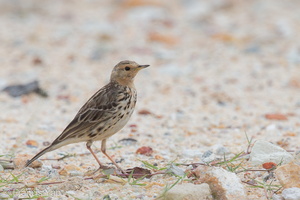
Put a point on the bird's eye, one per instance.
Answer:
(127, 68)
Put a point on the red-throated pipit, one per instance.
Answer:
(104, 114)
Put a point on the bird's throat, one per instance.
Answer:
(125, 82)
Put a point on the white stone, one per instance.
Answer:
(191, 153)
(189, 191)
(291, 193)
(224, 184)
(271, 127)
(277, 197)
(220, 150)
(175, 170)
(208, 156)
(264, 151)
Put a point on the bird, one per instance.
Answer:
(103, 115)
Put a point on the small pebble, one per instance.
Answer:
(32, 143)
(147, 151)
(21, 159)
(71, 170)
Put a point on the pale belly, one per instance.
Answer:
(114, 125)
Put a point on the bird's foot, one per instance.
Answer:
(105, 169)
(102, 169)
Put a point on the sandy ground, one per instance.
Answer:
(217, 68)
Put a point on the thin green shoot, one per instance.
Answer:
(115, 146)
(133, 181)
(45, 178)
(169, 187)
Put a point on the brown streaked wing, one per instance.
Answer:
(91, 113)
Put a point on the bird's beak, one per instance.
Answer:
(143, 66)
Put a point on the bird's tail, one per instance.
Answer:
(48, 149)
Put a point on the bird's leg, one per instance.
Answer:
(88, 146)
(103, 149)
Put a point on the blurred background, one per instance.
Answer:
(217, 68)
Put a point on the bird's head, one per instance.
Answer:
(125, 71)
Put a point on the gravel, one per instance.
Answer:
(220, 70)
